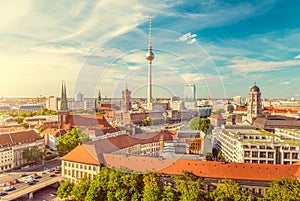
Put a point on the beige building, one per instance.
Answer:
(12, 146)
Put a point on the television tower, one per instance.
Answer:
(149, 57)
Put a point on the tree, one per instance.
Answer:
(229, 190)
(152, 191)
(220, 156)
(168, 194)
(65, 189)
(33, 154)
(283, 189)
(188, 186)
(198, 123)
(25, 125)
(208, 156)
(98, 187)
(40, 130)
(80, 190)
(68, 142)
(147, 121)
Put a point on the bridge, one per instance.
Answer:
(24, 189)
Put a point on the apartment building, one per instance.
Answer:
(12, 146)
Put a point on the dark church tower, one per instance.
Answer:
(64, 112)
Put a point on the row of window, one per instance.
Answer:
(79, 166)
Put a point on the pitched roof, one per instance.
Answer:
(205, 169)
(54, 132)
(90, 120)
(22, 137)
(114, 144)
(82, 154)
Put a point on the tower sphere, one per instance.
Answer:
(150, 55)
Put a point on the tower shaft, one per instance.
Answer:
(149, 57)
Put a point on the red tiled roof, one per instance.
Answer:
(117, 143)
(207, 169)
(54, 132)
(93, 120)
(22, 137)
(81, 154)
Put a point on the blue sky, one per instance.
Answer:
(223, 47)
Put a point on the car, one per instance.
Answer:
(2, 184)
(9, 188)
(52, 175)
(36, 176)
(23, 175)
(31, 182)
(9, 183)
(3, 193)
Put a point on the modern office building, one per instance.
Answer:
(249, 145)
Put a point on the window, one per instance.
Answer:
(262, 154)
(247, 154)
(294, 155)
(270, 155)
(286, 155)
(254, 153)
(254, 161)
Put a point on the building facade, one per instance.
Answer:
(12, 146)
(248, 145)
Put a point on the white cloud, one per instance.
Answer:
(297, 57)
(189, 37)
(245, 65)
(191, 41)
(285, 83)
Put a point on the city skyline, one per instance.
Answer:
(222, 47)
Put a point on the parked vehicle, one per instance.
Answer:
(9, 183)
(31, 182)
(3, 193)
(36, 176)
(9, 188)
(2, 184)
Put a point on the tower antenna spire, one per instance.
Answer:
(150, 30)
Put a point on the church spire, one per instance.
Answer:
(64, 100)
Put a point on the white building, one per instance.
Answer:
(245, 144)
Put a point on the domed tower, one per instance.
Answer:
(149, 57)
(254, 108)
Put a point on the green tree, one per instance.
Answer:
(25, 125)
(198, 123)
(65, 189)
(189, 186)
(33, 154)
(208, 156)
(228, 190)
(152, 191)
(98, 187)
(80, 190)
(68, 142)
(40, 130)
(147, 121)
(19, 119)
(220, 156)
(283, 189)
(168, 194)
(116, 187)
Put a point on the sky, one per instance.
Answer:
(221, 46)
